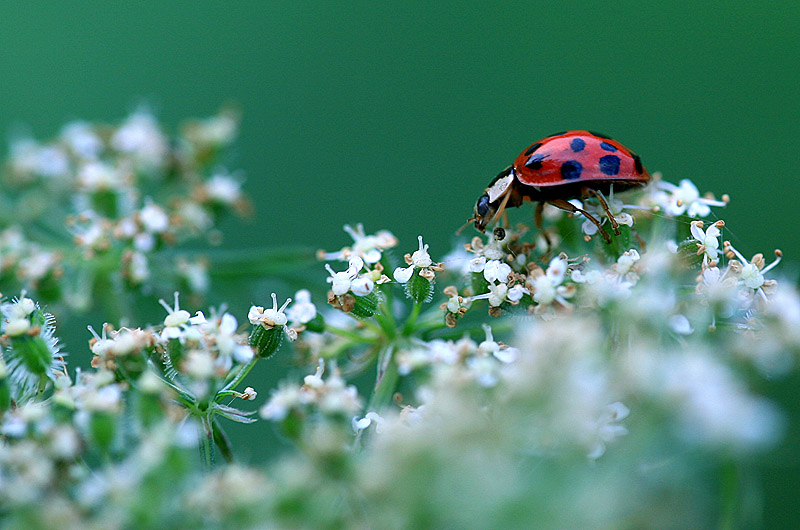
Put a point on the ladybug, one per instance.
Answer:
(563, 166)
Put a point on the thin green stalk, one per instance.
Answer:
(240, 375)
(354, 337)
(388, 380)
(207, 441)
(412, 319)
(729, 497)
(386, 323)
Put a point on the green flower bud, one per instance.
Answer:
(366, 306)
(419, 289)
(687, 252)
(266, 341)
(34, 353)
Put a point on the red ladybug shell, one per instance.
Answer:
(575, 159)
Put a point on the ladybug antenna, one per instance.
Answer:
(458, 232)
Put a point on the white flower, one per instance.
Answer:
(344, 281)
(496, 271)
(547, 287)
(315, 380)
(284, 399)
(708, 242)
(371, 418)
(98, 176)
(675, 200)
(615, 206)
(503, 353)
(249, 394)
(223, 188)
(269, 318)
(302, 311)
(140, 136)
(420, 259)
(367, 247)
(477, 264)
(176, 317)
(626, 262)
(17, 327)
(153, 217)
(680, 325)
(752, 272)
(82, 140)
(607, 428)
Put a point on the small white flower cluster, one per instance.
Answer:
(419, 261)
(367, 247)
(273, 317)
(93, 177)
(202, 350)
(330, 396)
(351, 279)
(681, 199)
(26, 261)
(480, 362)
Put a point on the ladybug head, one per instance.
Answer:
(484, 212)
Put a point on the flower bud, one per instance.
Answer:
(687, 252)
(419, 288)
(266, 341)
(33, 352)
(365, 306)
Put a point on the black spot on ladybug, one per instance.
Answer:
(577, 144)
(533, 148)
(607, 147)
(571, 170)
(599, 135)
(535, 162)
(609, 164)
(637, 163)
(558, 134)
(500, 175)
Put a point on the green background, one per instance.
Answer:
(398, 115)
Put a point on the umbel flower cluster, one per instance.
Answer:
(97, 208)
(518, 381)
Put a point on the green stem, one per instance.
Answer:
(222, 441)
(729, 496)
(239, 377)
(207, 441)
(412, 319)
(387, 385)
(42, 384)
(386, 323)
(354, 337)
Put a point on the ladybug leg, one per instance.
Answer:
(564, 205)
(589, 192)
(538, 220)
(501, 210)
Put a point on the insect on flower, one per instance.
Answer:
(560, 167)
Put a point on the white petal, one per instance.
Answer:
(362, 286)
(403, 275)
(680, 325)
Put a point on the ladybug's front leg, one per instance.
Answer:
(589, 192)
(568, 206)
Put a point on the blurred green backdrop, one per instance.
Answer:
(398, 114)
